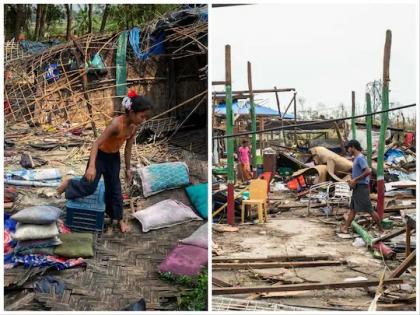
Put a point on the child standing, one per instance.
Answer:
(105, 159)
(244, 161)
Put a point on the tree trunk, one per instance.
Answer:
(20, 19)
(68, 13)
(28, 15)
(37, 21)
(90, 18)
(104, 17)
(43, 20)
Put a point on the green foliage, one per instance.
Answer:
(195, 295)
(55, 13)
(120, 17)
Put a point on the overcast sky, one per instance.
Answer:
(323, 50)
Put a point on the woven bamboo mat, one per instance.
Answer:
(123, 270)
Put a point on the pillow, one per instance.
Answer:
(36, 244)
(165, 214)
(198, 195)
(198, 238)
(37, 215)
(185, 260)
(34, 232)
(159, 177)
(75, 245)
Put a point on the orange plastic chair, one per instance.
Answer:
(257, 197)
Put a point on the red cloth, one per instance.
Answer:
(409, 138)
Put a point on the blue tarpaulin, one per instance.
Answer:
(156, 44)
(245, 110)
(34, 48)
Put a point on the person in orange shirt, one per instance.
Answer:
(105, 159)
(244, 160)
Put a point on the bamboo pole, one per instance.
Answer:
(369, 130)
(353, 113)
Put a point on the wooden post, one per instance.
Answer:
(384, 125)
(353, 113)
(281, 117)
(295, 112)
(84, 82)
(407, 262)
(369, 130)
(230, 140)
(253, 120)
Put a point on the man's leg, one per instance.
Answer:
(377, 220)
(350, 217)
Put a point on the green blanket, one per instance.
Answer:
(75, 245)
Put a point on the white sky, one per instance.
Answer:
(323, 50)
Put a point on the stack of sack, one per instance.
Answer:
(37, 232)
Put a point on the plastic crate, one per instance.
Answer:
(87, 214)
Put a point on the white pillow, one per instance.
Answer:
(165, 214)
(198, 238)
(33, 231)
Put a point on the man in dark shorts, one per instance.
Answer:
(360, 200)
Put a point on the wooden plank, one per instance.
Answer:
(302, 287)
(390, 235)
(273, 258)
(404, 265)
(220, 283)
(292, 264)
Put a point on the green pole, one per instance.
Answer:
(353, 113)
(253, 120)
(369, 130)
(229, 131)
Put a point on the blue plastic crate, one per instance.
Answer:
(87, 214)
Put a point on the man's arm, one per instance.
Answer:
(366, 172)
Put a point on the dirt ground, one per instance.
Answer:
(295, 232)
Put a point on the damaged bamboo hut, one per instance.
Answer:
(58, 98)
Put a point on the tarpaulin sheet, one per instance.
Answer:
(121, 65)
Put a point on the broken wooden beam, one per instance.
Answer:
(407, 262)
(291, 264)
(390, 235)
(273, 258)
(256, 91)
(302, 287)
(220, 283)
